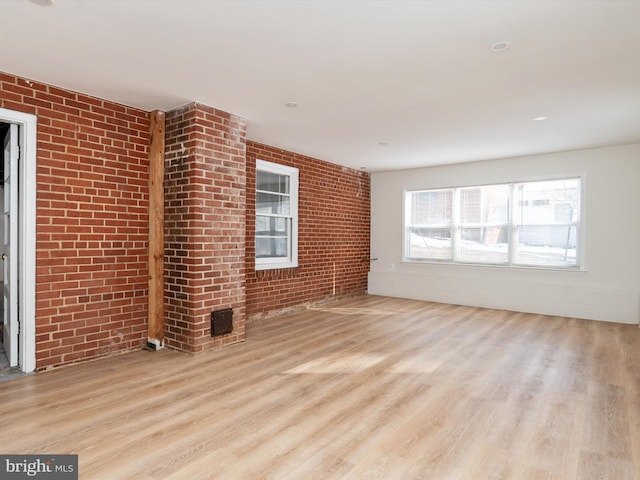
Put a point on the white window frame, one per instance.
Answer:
(293, 173)
(512, 227)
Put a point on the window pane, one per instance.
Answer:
(272, 226)
(484, 245)
(484, 205)
(272, 182)
(271, 247)
(544, 203)
(262, 225)
(430, 243)
(429, 208)
(272, 203)
(548, 245)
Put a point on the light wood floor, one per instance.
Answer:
(365, 388)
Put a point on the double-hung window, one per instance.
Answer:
(428, 224)
(484, 224)
(276, 216)
(546, 218)
(519, 224)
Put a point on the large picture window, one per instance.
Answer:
(276, 216)
(520, 224)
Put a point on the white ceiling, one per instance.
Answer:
(417, 75)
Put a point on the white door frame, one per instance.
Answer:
(10, 212)
(27, 139)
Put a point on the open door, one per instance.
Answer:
(10, 244)
(19, 262)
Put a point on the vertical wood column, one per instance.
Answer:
(156, 232)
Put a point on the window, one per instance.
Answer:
(276, 216)
(429, 225)
(546, 234)
(484, 224)
(520, 224)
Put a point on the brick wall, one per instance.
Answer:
(333, 238)
(92, 226)
(204, 225)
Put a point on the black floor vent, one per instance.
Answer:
(221, 322)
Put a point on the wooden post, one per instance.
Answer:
(156, 232)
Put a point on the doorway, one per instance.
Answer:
(17, 242)
(5, 365)
(10, 249)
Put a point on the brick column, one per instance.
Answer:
(205, 211)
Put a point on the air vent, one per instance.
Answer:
(221, 322)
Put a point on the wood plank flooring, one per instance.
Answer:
(366, 388)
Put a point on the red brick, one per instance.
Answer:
(333, 237)
(199, 167)
(64, 148)
(92, 236)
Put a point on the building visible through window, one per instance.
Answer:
(526, 223)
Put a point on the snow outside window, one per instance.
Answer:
(520, 224)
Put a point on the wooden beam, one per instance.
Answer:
(156, 232)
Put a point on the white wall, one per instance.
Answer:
(607, 289)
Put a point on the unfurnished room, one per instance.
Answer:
(316, 239)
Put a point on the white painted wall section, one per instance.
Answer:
(608, 286)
